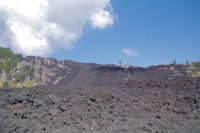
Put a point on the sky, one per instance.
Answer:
(136, 32)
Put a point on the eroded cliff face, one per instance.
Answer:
(49, 71)
(33, 71)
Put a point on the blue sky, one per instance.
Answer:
(160, 31)
(142, 33)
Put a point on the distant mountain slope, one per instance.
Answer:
(33, 71)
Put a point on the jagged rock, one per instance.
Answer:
(93, 100)
(58, 130)
(114, 108)
(15, 107)
(39, 101)
(63, 108)
(90, 98)
(54, 98)
(54, 112)
(90, 125)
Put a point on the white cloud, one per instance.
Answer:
(130, 52)
(38, 27)
(101, 19)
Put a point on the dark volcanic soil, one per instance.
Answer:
(170, 107)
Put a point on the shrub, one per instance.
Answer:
(28, 84)
(31, 71)
(22, 75)
(39, 83)
(5, 85)
(194, 74)
(1, 84)
(19, 85)
(8, 61)
(196, 65)
(13, 85)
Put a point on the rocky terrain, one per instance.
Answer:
(88, 98)
(173, 106)
(91, 98)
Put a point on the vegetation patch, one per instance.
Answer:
(196, 65)
(28, 84)
(195, 74)
(1, 84)
(13, 72)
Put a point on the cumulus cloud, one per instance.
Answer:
(101, 19)
(38, 27)
(130, 52)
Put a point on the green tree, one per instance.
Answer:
(31, 71)
(8, 62)
(196, 65)
(22, 75)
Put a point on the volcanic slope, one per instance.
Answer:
(93, 98)
(49, 71)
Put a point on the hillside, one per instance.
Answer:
(16, 72)
(44, 95)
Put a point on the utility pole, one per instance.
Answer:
(120, 63)
(187, 63)
(174, 62)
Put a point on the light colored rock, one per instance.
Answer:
(59, 130)
(90, 125)
(15, 107)
(189, 71)
(177, 74)
(54, 98)
(54, 112)
(58, 80)
(38, 101)
(39, 125)
(63, 108)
